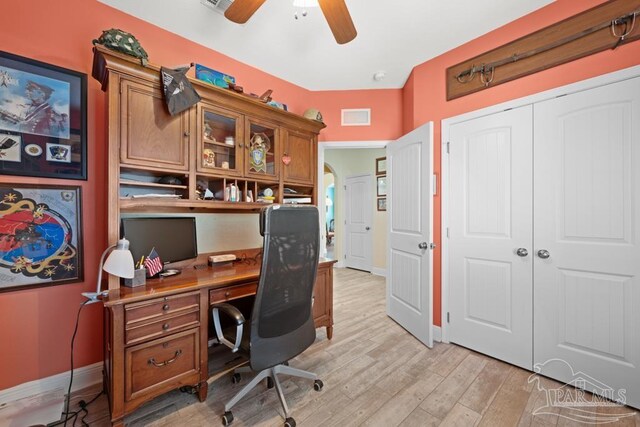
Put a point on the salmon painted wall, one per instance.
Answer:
(425, 92)
(386, 114)
(36, 324)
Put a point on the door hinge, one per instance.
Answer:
(448, 146)
(448, 318)
(447, 232)
(434, 190)
(345, 187)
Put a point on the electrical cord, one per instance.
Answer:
(83, 405)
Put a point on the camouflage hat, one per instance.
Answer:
(122, 42)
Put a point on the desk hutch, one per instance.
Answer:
(156, 335)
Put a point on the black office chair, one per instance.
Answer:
(281, 321)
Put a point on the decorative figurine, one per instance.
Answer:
(208, 158)
(258, 148)
(208, 132)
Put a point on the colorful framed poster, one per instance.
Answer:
(40, 236)
(43, 119)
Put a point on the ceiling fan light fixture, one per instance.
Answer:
(305, 3)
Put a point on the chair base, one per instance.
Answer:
(271, 373)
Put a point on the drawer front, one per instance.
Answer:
(233, 292)
(167, 325)
(158, 308)
(161, 365)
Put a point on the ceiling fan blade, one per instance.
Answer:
(241, 10)
(339, 19)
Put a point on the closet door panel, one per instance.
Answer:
(587, 237)
(491, 219)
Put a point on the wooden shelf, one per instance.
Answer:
(220, 144)
(151, 184)
(296, 195)
(147, 203)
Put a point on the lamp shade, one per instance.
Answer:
(120, 261)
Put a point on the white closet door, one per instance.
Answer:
(587, 237)
(490, 235)
(410, 204)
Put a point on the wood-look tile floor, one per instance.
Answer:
(375, 374)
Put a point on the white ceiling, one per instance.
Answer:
(393, 36)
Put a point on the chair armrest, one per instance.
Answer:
(234, 314)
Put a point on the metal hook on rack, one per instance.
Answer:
(628, 29)
(470, 73)
(487, 71)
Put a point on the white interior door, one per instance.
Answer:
(587, 222)
(359, 215)
(410, 217)
(490, 235)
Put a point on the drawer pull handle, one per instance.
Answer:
(226, 294)
(165, 326)
(153, 362)
(166, 307)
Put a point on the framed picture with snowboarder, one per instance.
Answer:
(40, 235)
(43, 119)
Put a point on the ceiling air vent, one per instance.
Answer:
(219, 6)
(356, 117)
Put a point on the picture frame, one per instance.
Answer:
(382, 204)
(43, 119)
(40, 235)
(381, 186)
(381, 166)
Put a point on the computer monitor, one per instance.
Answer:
(173, 238)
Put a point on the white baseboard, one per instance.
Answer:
(82, 378)
(437, 333)
(339, 264)
(379, 271)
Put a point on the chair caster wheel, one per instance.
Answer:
(289, 422)
(270, 383)
(227, 418)
(235, 378)
(317, 385)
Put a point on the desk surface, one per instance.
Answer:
(190, 279)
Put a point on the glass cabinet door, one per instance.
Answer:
(220, 136)
(261, 148)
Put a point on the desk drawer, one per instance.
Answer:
(161, 365)
(158, 308)
(232, 292)
(167, 325)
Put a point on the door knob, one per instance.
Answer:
(543, 253)
(522, 252)
(423, 245)
(367, 228)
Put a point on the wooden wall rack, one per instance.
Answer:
(603, 27)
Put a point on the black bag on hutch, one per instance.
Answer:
(179, 94)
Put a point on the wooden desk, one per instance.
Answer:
(156, 335)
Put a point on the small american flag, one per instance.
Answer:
(152, 263)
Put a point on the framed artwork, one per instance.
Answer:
(381, 185)
(381, 166)
(43, 119)
(40, 235)
(382, 204)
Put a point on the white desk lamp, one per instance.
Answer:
(118, 263)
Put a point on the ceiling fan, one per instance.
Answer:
(335, 12)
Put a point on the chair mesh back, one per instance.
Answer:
(282, 309)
